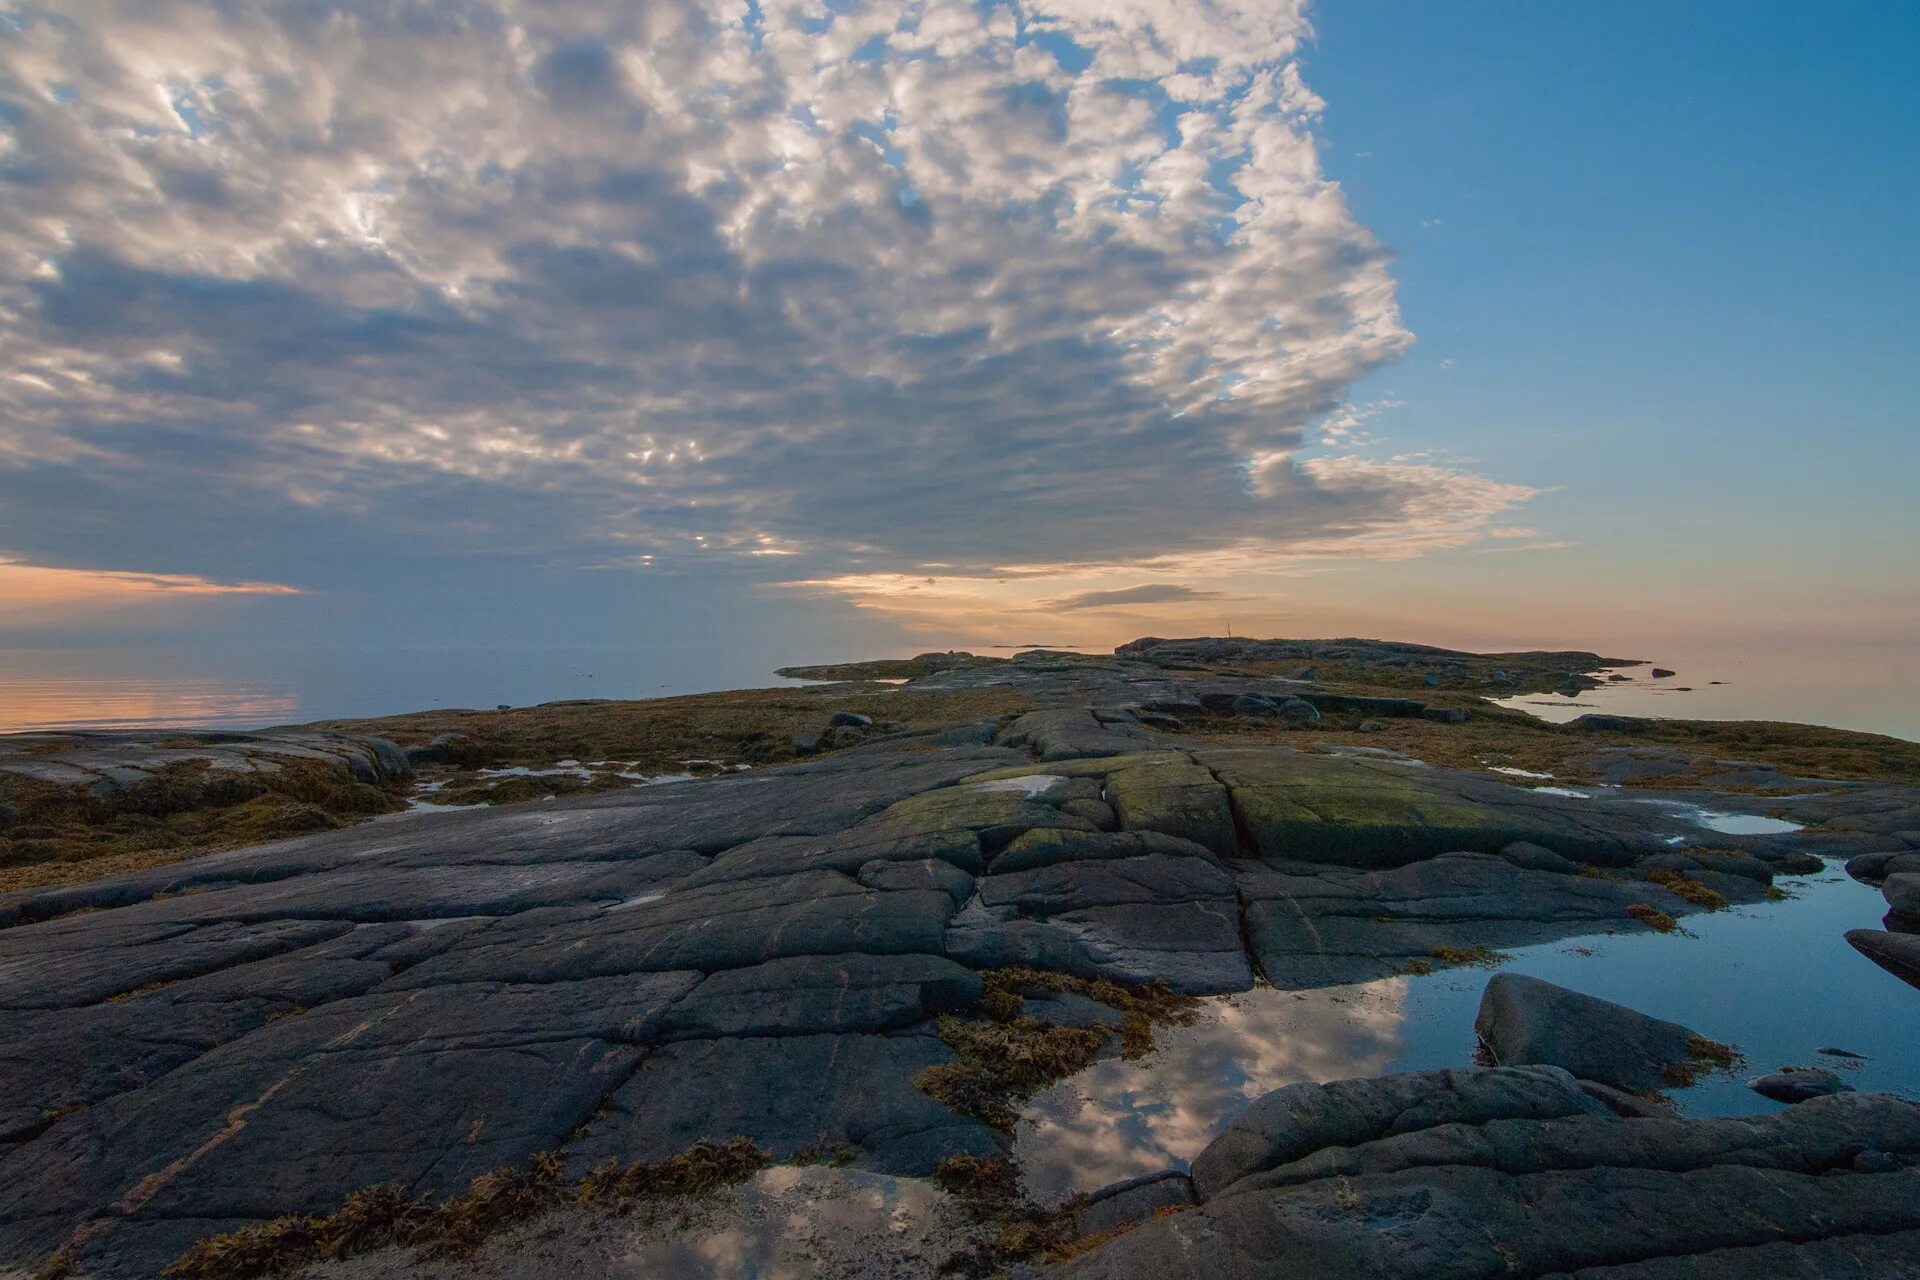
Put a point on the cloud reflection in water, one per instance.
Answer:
(1119, 1119)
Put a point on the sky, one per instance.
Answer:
(836, 329)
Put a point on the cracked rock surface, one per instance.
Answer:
(215, 1043)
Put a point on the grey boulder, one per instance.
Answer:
(1526, 1020)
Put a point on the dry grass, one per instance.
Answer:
(1478, 957)
(1704, 1057)
(1501, 736)
(69, 834)
(390, 1216)
(1688, 890)
(1652, 917)
(1007, 1057)
(751, 726)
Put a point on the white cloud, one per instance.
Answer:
(786, 288)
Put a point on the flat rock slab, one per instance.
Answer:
(113, 760)
(1313, 926)
(817, 1093)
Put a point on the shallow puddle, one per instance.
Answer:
(1776, 979)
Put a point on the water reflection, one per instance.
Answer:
(1776, 979)
(1119, 1119)
(1874, 688)
(121, 702)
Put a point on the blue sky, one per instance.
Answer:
(1658, 257)
(362, 323)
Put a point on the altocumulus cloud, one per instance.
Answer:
(812, 292)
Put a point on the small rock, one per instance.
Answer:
(1372, 726)
(850, 720)
(503, 706)
(1306, 673)
(7, 814)
(806, 743)
(1433, 682)
(1661, 673)
(1798, 1084)
(1252, 706)
(1832, 1052)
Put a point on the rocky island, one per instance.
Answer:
(459, 990)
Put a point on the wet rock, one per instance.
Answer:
(1872, 868)
(1799, 1084)
(1902, 892)
(1134, 1200)
(1631, 1106)
(1661, 673)
(1526, 1020)
(1897, 953)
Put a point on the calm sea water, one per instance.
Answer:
(1876, 689)
(94, 688)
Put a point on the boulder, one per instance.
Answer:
(1298, 711)
(1799, 1084)
(1897, 953)
(1526, 1020)
(1902, 892)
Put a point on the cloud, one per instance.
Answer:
(1170, 593)
(35, 593)
(791, 293)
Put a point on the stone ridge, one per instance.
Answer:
(1498, 1172)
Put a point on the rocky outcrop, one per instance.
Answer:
(248, 1034)
(1502, 1172)
(105, 762)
